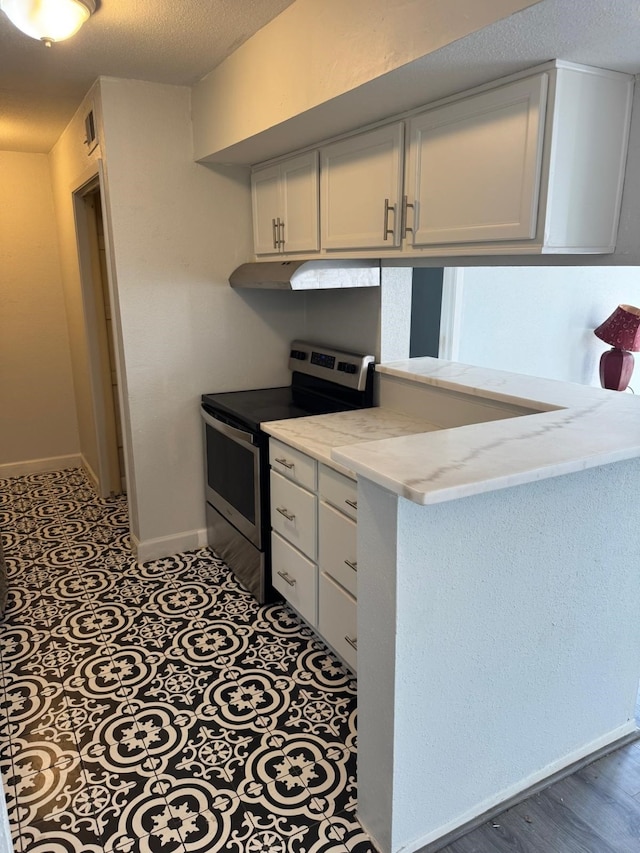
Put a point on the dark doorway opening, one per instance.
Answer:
(426, 307)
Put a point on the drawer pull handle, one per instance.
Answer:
(285, 577)
(353, 565)
(353, 642)
(286, 464)
(352, 504)
(283, 511)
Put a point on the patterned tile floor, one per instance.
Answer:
(158, 708)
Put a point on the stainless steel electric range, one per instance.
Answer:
(323, 380)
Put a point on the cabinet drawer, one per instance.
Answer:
(338, 619)
(337, 547)
(293, 464)
(295, 578)
(293, 514)
(339, 491)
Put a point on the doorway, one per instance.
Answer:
(436, 311)
(426, 307)
(109, 476)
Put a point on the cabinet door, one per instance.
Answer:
(474, 166)
(294, 514)
(338, 547)
(293, 464)
(338, 619)
(295, 578)
(357, 175)
(300, 200)
(338, 490)
(265, 199)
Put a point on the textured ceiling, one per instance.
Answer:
(179, 42)
(164, 41)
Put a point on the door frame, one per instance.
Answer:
(451, 313)
(103, 420)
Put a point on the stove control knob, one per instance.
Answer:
(298, 353)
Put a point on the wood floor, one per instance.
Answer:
(595, 810)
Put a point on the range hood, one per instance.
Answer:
(307, 275)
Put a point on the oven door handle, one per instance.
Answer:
(225, 429)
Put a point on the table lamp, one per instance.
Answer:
(622, 332)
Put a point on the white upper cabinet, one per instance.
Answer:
(474, 167)
(361, 190)
(532, 166)
(285, 206)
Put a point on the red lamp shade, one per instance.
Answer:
(622, 332)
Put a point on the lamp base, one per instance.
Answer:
(616, 367)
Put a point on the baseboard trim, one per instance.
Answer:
(168, 546)
(91, 474)
(529, 791)
(39, 466)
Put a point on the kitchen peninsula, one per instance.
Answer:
(498, 589)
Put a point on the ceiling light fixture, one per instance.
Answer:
(48, 20)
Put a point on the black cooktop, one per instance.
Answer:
(255, 407)
(306, 396)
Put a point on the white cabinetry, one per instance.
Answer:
(531, 165)
(535, 165)
(338, 563)
(337, 550)
(285, 206)
(295, 577)
(361, 190)
(294, 531)
(314, 545)
(474, 166)
(294, 514)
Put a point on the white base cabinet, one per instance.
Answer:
(337, 548)
(314, 545)
(295, 578)
(294, 514)
(338, 619)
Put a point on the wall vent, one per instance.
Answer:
(91, 139)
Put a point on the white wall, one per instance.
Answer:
(39, 430)
(70, 167)
(540, 321)
(178, 229)
(314, 53)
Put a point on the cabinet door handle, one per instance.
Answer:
(285, 463)
(352, 504)
(274, 230)
(281, 233)
(386, 230)
(352, 565)
(283, 511)
(353, 642)
(285, 577)
(405, 206)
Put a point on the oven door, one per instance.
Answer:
(233, 475)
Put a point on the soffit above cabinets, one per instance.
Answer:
(600, 33)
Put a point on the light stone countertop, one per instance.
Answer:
(317, 435)
(576, 427)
